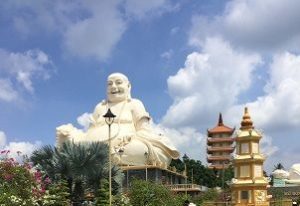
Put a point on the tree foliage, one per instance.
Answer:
(103, 193)
(82, 165)
(199, 174)
(144, 193)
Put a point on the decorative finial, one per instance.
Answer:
(220, 123)
(246, 123)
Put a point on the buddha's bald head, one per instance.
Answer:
(118, 87)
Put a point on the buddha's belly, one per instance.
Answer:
(135, 149)
(100, 133)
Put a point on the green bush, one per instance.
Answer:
(145, 193)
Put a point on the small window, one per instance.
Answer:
(245, 171)
(245, 148)
(244, 195)
(255, 147)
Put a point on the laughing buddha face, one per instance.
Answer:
(118, 87)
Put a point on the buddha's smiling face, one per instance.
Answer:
(117, 88)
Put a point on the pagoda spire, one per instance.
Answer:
(246, 123)
(220, 123)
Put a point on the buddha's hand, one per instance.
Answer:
(65, 131)
(123, 141)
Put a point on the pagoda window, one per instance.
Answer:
(258, 171)
(255, 147)
(245, 171)
(245, 148)
(245, 195)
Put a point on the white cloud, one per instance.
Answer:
(17, 149)
(213, 80)
(7, 92)
(167, 55)
(84, 120)
(267, 147)
(141, 9)
(174, 30)
(186, 140)
(87, 28)
(209, 83)
(2, 139)
(252, 25)
(19, 70)
(98, 34)
(25, 148)
(279, 107)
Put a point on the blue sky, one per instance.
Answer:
(187, 61)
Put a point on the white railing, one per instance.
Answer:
(183, 187)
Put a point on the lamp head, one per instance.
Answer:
(109, 117)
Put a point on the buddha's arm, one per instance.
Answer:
(143, 124)
(97, 112)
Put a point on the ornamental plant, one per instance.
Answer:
(22, 184)
(19, 183)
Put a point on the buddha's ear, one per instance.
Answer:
(129, 91)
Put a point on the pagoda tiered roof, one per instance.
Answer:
(220, 128)
(228, 149)
(219, 140)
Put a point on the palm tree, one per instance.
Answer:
(82, 165)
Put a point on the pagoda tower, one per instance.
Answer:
(249, 186)
(219, 145)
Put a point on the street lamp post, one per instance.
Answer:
(120, 152)
(146, 164)
(109, 119)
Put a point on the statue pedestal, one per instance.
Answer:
(152, 173)
(175, 181)
(290, 192)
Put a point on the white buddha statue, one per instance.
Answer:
(290, 177)
(132, 139)
(294, 174)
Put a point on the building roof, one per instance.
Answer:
(246, 123)
(220, 128)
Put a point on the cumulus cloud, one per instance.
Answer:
(250, 24)
(278, 108)
(18, 70)
(84, 120)
(2, 139)
(140, 9)
(167, 55)
(87, 28)
(17, 149)
(96, 35)
(7, 92)
(186, 139)
(213, 80)
(174, 30)
(209, 82)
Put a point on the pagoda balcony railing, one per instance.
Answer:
(228, 149)
(211, 140)
(211, 158)
(186, 187)
(218, 166)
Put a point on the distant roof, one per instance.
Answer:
(220, 128)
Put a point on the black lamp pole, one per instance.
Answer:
(109, 119)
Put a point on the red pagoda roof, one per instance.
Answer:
(220, 128)
(220, 149)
